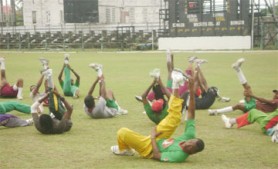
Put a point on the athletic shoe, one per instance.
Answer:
(181, 72)
(19, 97)
(30, 122)
(122, 111)
(178, 77)
(95, 66)
(226, 121)
(212, 112)
(76, 94)
(274, 137)
(200, 61)
(155, 73)
(191, 59)
(224, 99)
(138, 98)
(66, 59)
(44, 61)
(116, 151)
(238, 63)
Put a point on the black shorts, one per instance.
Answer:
(204, 102)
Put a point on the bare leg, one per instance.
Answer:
(201, 79)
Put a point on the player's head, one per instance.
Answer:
(46, 123)
(89, 102)
(157, 105)
(193, 146)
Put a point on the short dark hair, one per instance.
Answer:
(89, 101)
(158, 93)
(200, 145)
(46, 124)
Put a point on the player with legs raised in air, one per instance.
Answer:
(6, 90)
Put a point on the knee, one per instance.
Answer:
(122, 131)
(20, 82)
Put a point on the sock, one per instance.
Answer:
(241, 76)
(233, 121)
(3, 67)
(15, 87)
(225, 110)
(19, 92)
(50, 82)
(175, 85)
(45, 66)
(99, 73)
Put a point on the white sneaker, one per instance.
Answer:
(116, 151)
(226, 121)
(138, 98)
(95, 66)
(178, 78)
(191, 59)
(181, 72)
(44, 61)
(242, 101)
(76, 94)
(155, 73)
(66, 59)
(212, 112)
(238, 63)
(274, 137)
(30, 121)
(224, 99)
(122, 111)
(200, 61)
(19, 97)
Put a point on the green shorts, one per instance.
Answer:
(249, 105)
(111, 104)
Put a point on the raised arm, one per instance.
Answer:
(191, 107)
(263, 100)
(93, 87)
(38, 85)
(144, 95)
(61, 74)
(167, 92)
(156, 152)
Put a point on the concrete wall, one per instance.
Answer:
(205, 43)
(50, 12)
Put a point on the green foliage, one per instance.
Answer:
(87, 145)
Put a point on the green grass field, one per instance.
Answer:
(88, 143)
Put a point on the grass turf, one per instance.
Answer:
(87, 145)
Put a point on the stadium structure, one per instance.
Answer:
(139, 25)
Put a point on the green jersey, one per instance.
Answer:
(170, 148)
(156, 117)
